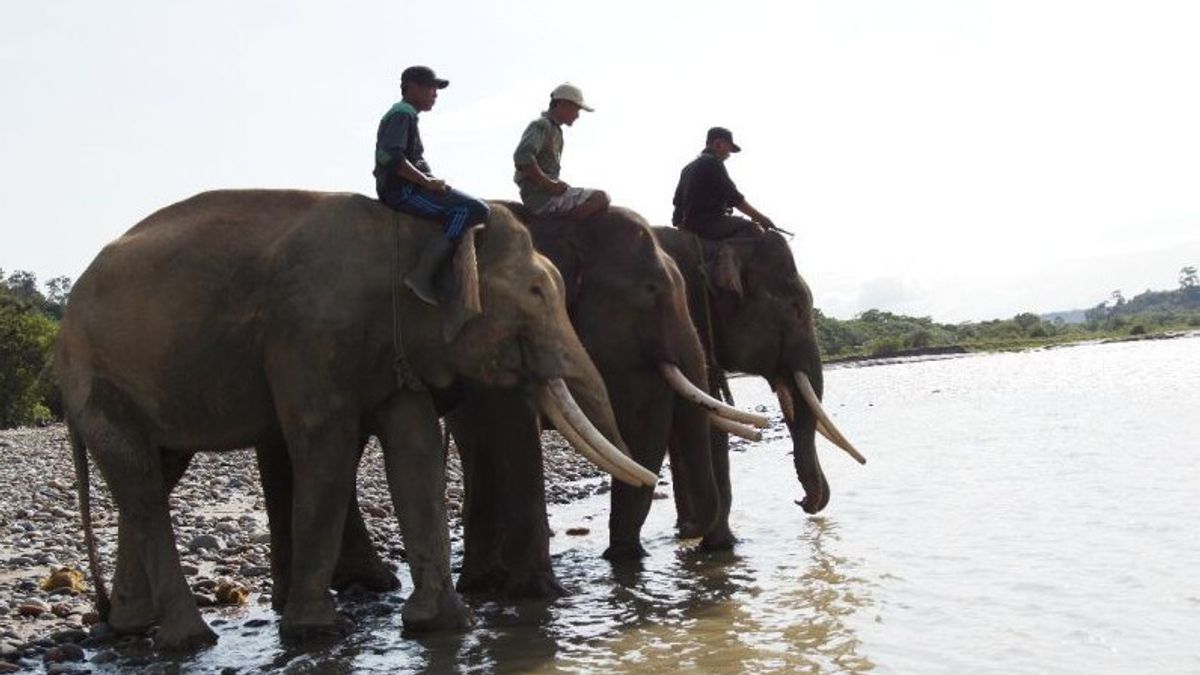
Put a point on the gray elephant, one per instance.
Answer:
(627, 301)
(235, 318)
(755, 315)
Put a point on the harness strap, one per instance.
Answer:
(406, 377)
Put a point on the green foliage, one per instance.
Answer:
(28, 326)
(877, 333)
(26, 338)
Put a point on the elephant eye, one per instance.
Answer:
(537, 290)
(652, 289)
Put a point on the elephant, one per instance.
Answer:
(754, 313)
(239, 318)
(626, 300)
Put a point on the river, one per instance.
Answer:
(1030, 512)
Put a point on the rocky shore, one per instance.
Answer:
(46, 619)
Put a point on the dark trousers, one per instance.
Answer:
(455, 210)
(722, 227)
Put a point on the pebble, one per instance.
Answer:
(204, 542)
(40, 527)
(33, 608)
(65, 652)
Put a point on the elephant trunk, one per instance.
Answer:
(802, 424)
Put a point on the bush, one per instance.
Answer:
(26, 338)
(1138, 329)
(886, 346)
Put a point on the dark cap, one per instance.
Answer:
(722, 133)
(422, 75)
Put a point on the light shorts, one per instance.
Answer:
(566, 202)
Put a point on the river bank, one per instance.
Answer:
(220, 525)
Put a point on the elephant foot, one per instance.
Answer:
(278, 598)
(625, 552)
(131, 617)
(372, 575)
(686, 529)
(317, 621)
(540, 585)
(184, 636)
(429, 610)
(720, 539)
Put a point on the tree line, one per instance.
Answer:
(30, 313)
(876, 333)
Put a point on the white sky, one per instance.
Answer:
(964, 160)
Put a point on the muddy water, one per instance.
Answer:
(1030, 512)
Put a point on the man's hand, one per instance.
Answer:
(766, 222)
(557, 187)
(436, 185)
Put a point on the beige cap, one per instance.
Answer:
(569, 92)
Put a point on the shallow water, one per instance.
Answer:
(1030, 512)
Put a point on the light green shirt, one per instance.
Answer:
(542, 143)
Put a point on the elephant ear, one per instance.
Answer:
(726, 271)
(462, 301)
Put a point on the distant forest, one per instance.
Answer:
(876, 333)
(29, 316)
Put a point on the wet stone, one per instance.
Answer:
(204, 542)
(69, 636)
(106, 656)
(7, 667)
(64, 653)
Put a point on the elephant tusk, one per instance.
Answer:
(788, 406)
(554, 413)
(691, 392)
(730, 427)
(592, 436)
(831, 430)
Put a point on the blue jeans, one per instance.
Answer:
(455, 210)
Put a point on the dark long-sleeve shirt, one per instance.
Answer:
(398, 137)
(705, 190)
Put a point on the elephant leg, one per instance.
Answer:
(323, 450)
(415, 463)
(685, 523)
(358, 562)
(643, 408)
(133, 608)
(505, 529)
(133, 469)
(275, 472)
(720, 537)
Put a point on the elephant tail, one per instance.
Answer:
(83, 485)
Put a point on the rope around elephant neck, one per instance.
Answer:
(406, 377)
(716, 373)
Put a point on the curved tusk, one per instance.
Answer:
(810, 397)
(730, 427)
(691, 392)
(592, 436)
(552, 411)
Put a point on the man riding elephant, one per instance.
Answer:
(538, 159)
(706, 196)
(404, 181)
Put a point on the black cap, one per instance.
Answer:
(722, 133)
(422, 75)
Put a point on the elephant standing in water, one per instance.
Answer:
(240, 318)
(626, 300)
(755, 314)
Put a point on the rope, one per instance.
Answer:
(406, 377)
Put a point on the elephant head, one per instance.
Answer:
(762, 322)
